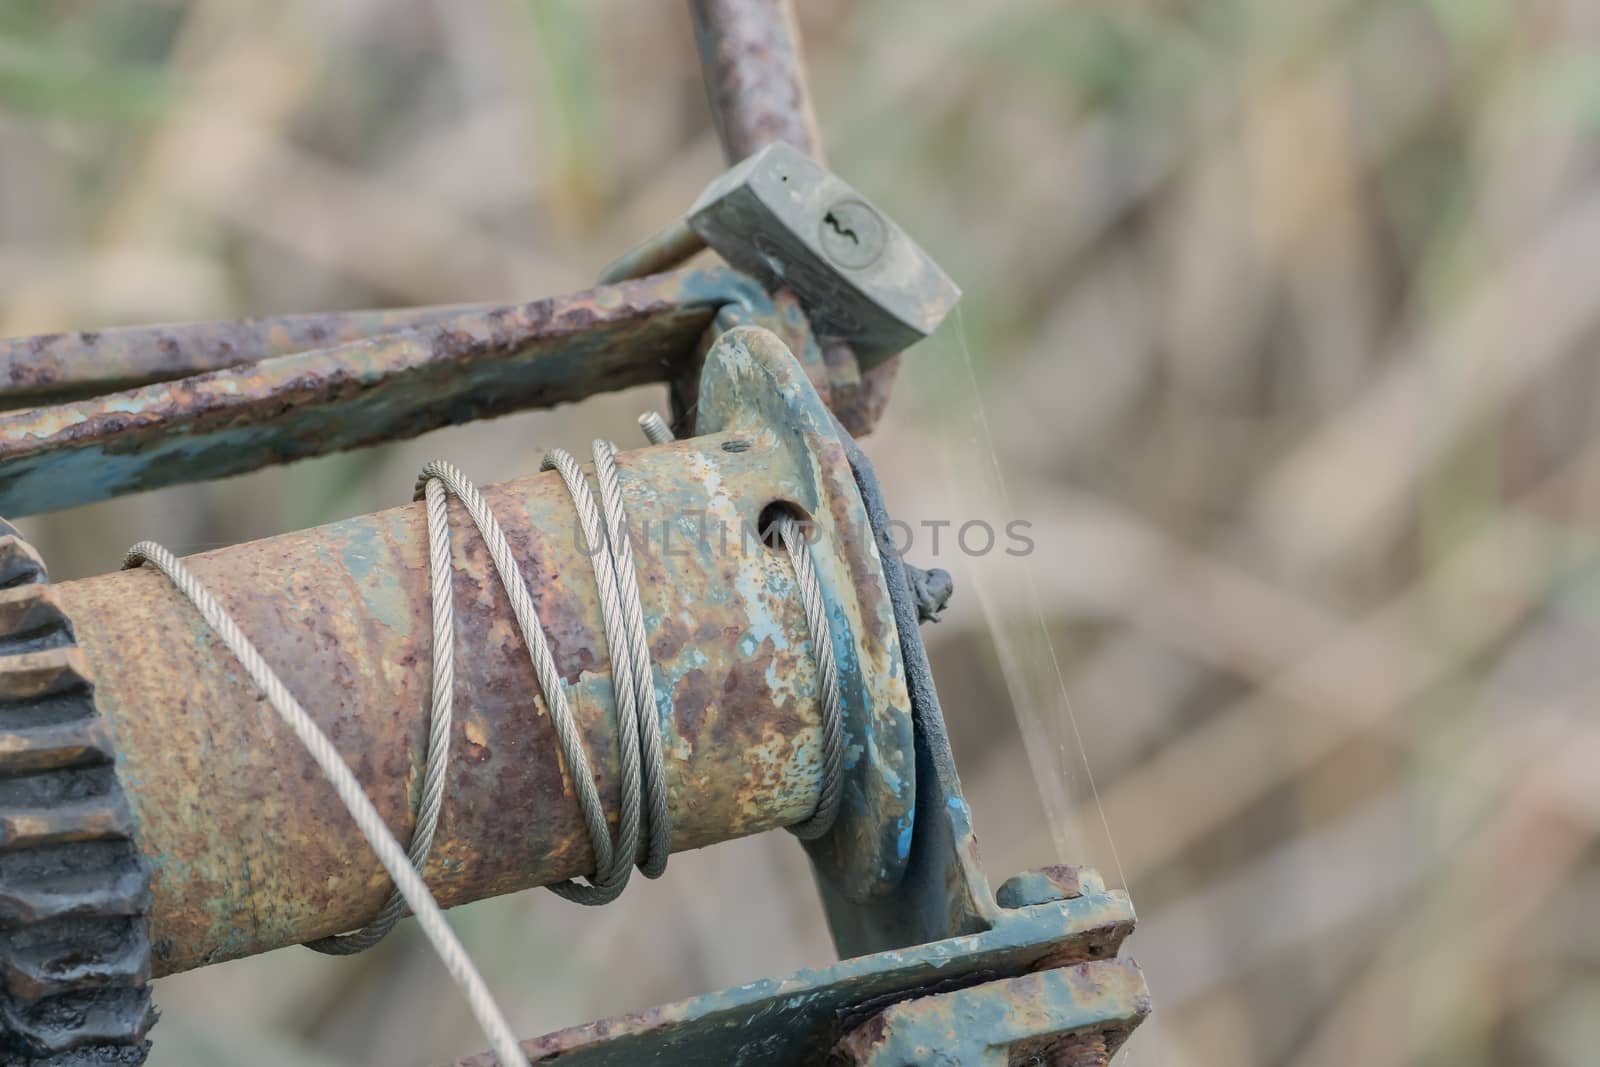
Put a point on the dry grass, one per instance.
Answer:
(1283, 321)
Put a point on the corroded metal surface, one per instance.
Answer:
(753, 385)
(1076, 1016)
(859, 397)
(250, 848)
(944, 892)
(1084, 1050)
(474, 365)
(783, 315)
(795, 1021)
(74, 955)
(52, 367)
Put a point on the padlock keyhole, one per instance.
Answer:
(839, 228)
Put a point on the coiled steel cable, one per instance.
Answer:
(643, 785)
(638, 718)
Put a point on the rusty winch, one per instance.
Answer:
(156, 817)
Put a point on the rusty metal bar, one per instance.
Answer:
(465, 366)
(249, 849)
(750, 54)
(755, 77)
(798, 1020)
(54, 367)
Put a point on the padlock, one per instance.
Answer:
(791, 223)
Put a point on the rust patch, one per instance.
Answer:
(452, 368)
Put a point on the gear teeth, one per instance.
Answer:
(31, 619)
(74, 888)
(19, 563)
(84, 1029)
(28, 677)
(62, 881)
(48, 959)
(51, 746)
(94, 818)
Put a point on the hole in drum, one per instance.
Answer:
(736, 446)
(767, 522)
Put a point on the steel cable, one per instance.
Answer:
(437, 757)
(643, 777)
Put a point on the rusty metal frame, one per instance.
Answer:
(1027, 971)
(273, 407)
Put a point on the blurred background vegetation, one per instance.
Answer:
(1283, 319)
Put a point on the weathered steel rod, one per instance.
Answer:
(249, 848)
(54, 367)
(755, 76)
(467, 365)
